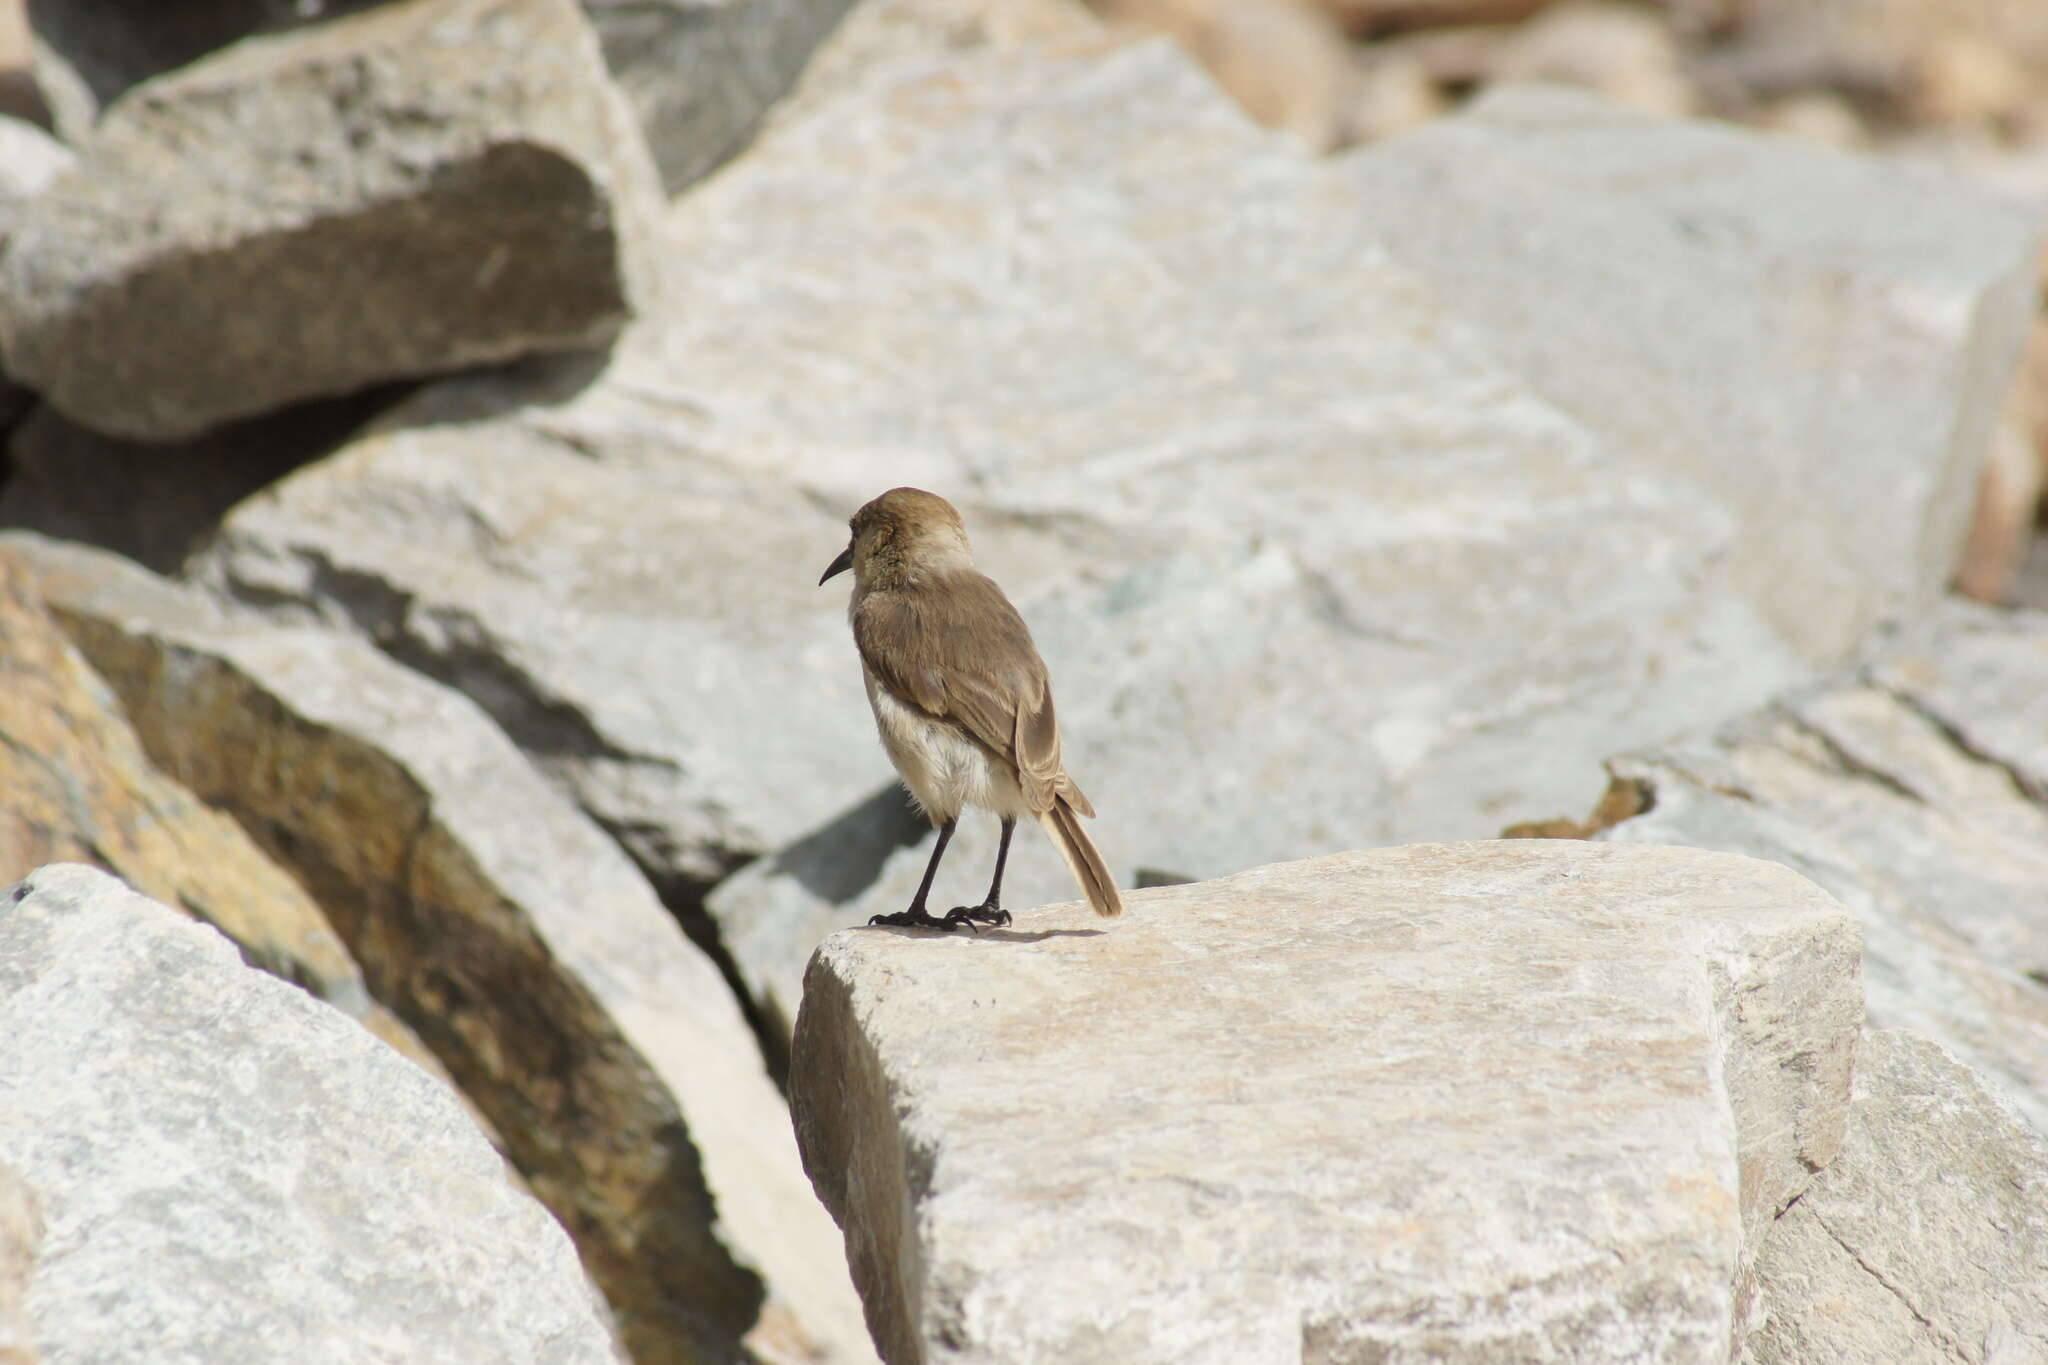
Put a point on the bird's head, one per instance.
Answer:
(905, 531)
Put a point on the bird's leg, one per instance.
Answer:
(990, 911)
(917, 917)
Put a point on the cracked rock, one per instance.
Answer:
(1925, 1241)
(1940, 846)
(519, 942)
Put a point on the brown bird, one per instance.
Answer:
(960, 696)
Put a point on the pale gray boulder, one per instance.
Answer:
(515, 938)
(230, 1170)
(1870, 786)
(29, 160)
(1925, 1241)
(1320, 552)
(1476, 1102)
(1820, 343)
(421, 187)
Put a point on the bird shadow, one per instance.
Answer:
(992, 935)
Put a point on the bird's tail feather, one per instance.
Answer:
(1063, 827)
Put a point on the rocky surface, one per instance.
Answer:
(29, 160)
(21, 1234)
(1926, 1238)
(425, 186)
(156, 502)
(79, 788)
(1149, 473)
(229, 1170)
(523, 946)
(1913, 793)
(1449, 1102)
(702, 76)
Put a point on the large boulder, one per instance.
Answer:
(1530, 1101)
(230, 1170)
(421, 187)
(519, 942)
(1914, 792)
(1925, 1241)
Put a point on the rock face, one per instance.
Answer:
(1913, 793)
(21, 1233)
(1224, 491)
(79, 787)
(1872, 366)
(309, 213)
(1925, 1240)
(700, 76)
(1469, 1102)
(519, 942)
(229, 1170)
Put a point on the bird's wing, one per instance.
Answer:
(960, 652)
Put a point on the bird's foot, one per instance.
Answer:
(916, 917)
(975, 915)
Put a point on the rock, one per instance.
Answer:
(157, 503)
(701, 76)
(1620, 51)
(1914, 796)
(21, 1233)
(1230, 453)
(515, 938)
(230, 1170)
(1286, 61)
(1925, 1239)
(1872, 367)
(1476, 1102)
(79, 788)
(1376, 18)
(29, 160)
(473, 149)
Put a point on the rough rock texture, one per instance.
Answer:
(79, 788)
(1925, 1241)
(156, 503)
(21, 1234)
(1469, 1102)
(29, 160)
(427, 185)
(87, 56)
(1855, 410)
(1225, 448)
(229, 1170)
(1915, 795)
(520, 943)
(700, 76)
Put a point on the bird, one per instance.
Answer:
(960, 696)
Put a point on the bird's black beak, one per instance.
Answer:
(839, 565)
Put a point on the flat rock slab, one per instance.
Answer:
(1468, 1102)
(418, 188)
(229, 1170)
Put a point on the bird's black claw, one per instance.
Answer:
(974, 916)
(915, 919)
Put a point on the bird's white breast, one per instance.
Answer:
(944, 769)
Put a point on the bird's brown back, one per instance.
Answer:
(953, 647)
